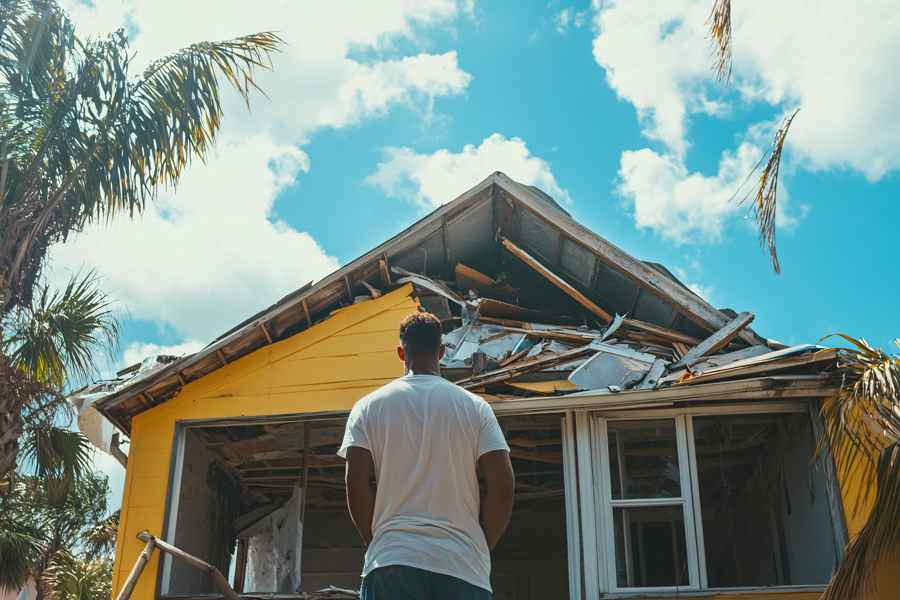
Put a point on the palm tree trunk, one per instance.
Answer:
(10, 430)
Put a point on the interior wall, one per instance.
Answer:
(197, 510)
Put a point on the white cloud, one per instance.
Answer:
(209, 254)
(569, 17)
(429, 179)
(136, 352)
(837, 62)
(689, 207)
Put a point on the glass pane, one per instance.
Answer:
(758, 486)
(643, 459)
(650, 548)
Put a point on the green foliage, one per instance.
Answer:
(71, 577)
(36, 525)
(56, 336)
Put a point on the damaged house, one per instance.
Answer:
(661, 446)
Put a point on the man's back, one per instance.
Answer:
(426, 435)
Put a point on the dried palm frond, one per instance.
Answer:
(765, 199)
(863, 433)
(720, 34)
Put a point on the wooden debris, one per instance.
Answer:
(217, 578)
(468, 278)
(526, 366)
(556, 280)
(375, 292)
(716, 341)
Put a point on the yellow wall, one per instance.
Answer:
(324, 368)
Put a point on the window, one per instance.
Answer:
(705, 501)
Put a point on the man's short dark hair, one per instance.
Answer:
(421, 332)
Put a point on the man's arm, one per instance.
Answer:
(360, 491)
(496, 506)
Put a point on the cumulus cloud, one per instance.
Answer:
(684, 206)
(429, 179)
(839, 67)
(207, 255)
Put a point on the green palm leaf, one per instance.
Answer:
(57, 336)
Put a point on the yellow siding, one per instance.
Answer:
(325, 368)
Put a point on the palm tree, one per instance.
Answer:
(54, 337)
(82, 139)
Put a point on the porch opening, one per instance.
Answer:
(265, 504)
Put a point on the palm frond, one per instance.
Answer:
(20, 547)
(719, 22)
(862, 426)
(765, 198)
(59, 457)
(100, 538)
(56, 338)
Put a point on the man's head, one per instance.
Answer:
(420, 342)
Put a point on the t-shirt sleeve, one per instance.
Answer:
(355, 433)
(491, 436)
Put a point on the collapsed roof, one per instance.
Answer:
(534, 304)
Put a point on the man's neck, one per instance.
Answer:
(426, 371)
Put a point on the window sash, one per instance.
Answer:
(605, 505)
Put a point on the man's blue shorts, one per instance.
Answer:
(398, 582)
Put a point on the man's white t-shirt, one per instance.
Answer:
(426, 436)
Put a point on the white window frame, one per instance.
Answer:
(594, 491)
(608, 504)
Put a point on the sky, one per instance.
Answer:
(379, 112)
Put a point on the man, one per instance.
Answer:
(421, 438)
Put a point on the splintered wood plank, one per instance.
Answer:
(468, 278)
(556, 280)
(716, 341)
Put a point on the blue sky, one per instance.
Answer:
(376, 115)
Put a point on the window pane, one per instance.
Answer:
(650, 548)
(766, 519)
(643, 459)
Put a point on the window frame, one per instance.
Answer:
(595, 492)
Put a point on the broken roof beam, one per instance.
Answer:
(684, 300)
(556, 280)
(716, 341)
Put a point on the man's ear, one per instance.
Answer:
(402, 354)
(441, 351)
